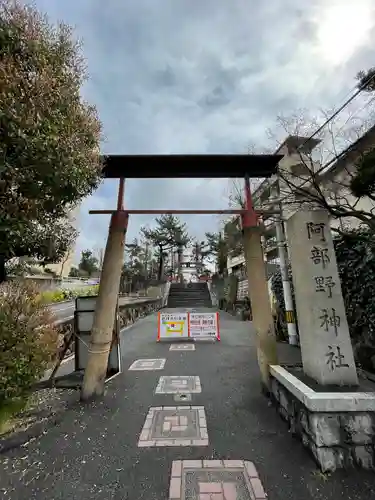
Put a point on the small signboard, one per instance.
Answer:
(173, 325)
(204, 325)
(84, 319)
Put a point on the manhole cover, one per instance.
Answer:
(182, 397)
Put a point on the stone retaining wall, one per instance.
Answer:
(336, 439)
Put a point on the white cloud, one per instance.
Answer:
(210, 76)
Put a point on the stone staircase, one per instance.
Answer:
(189, 295)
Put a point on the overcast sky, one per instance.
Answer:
(202, 76)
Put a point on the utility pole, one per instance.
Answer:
(288, 299)
(105, 310)
(287, 290)
(258, 291)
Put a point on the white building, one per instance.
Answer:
(296, 160)
(63, 267)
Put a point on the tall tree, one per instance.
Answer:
(49, 148)
(134, 251)
(88, 263)
(366, 80)
(218, 248)
(169, 233)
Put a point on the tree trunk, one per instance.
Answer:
(179, 252)
(161, 264)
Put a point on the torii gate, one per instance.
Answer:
(180, 166)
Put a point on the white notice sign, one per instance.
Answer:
(204, 325)
(172, 325)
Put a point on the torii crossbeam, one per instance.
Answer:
(179, 166)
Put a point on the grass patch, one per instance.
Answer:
(9, 412)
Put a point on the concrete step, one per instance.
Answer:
(189, 304)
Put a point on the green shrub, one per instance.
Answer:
(28, 342)
(53, 296)
(355, 253)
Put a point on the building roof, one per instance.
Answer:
(293, 143)
(298, 143)
(185, 166)
(350, 154)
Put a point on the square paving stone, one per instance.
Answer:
(215, 480)
(148, 364)
(178, 384)
(174, 426)
(182, 347)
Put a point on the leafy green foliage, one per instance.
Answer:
(218, 248)
(228, 243)
(363, 184)
(74, 272)
(366, 80)
(46, 243)
(140, 266)
(233, 236)
(49, 148)
(28, 342)
(169, 233)
(55, 296)
(88, 263)
(355, 254)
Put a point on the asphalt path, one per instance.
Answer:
(93, 453)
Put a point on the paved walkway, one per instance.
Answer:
(107, 450)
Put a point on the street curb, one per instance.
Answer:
(34, 431)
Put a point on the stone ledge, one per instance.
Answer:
(323, 401)
(337, 428)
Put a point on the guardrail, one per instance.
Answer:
(129, 313)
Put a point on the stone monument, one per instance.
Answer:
(327, 354)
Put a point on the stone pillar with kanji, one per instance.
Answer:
(327, 354)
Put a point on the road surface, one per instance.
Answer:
(94, 452)
(65, 310)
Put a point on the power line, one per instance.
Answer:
(343, 106)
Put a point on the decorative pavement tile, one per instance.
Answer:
(178, 384)
(215, 480)
(182, 347)
(148, 364)
(174, 426)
